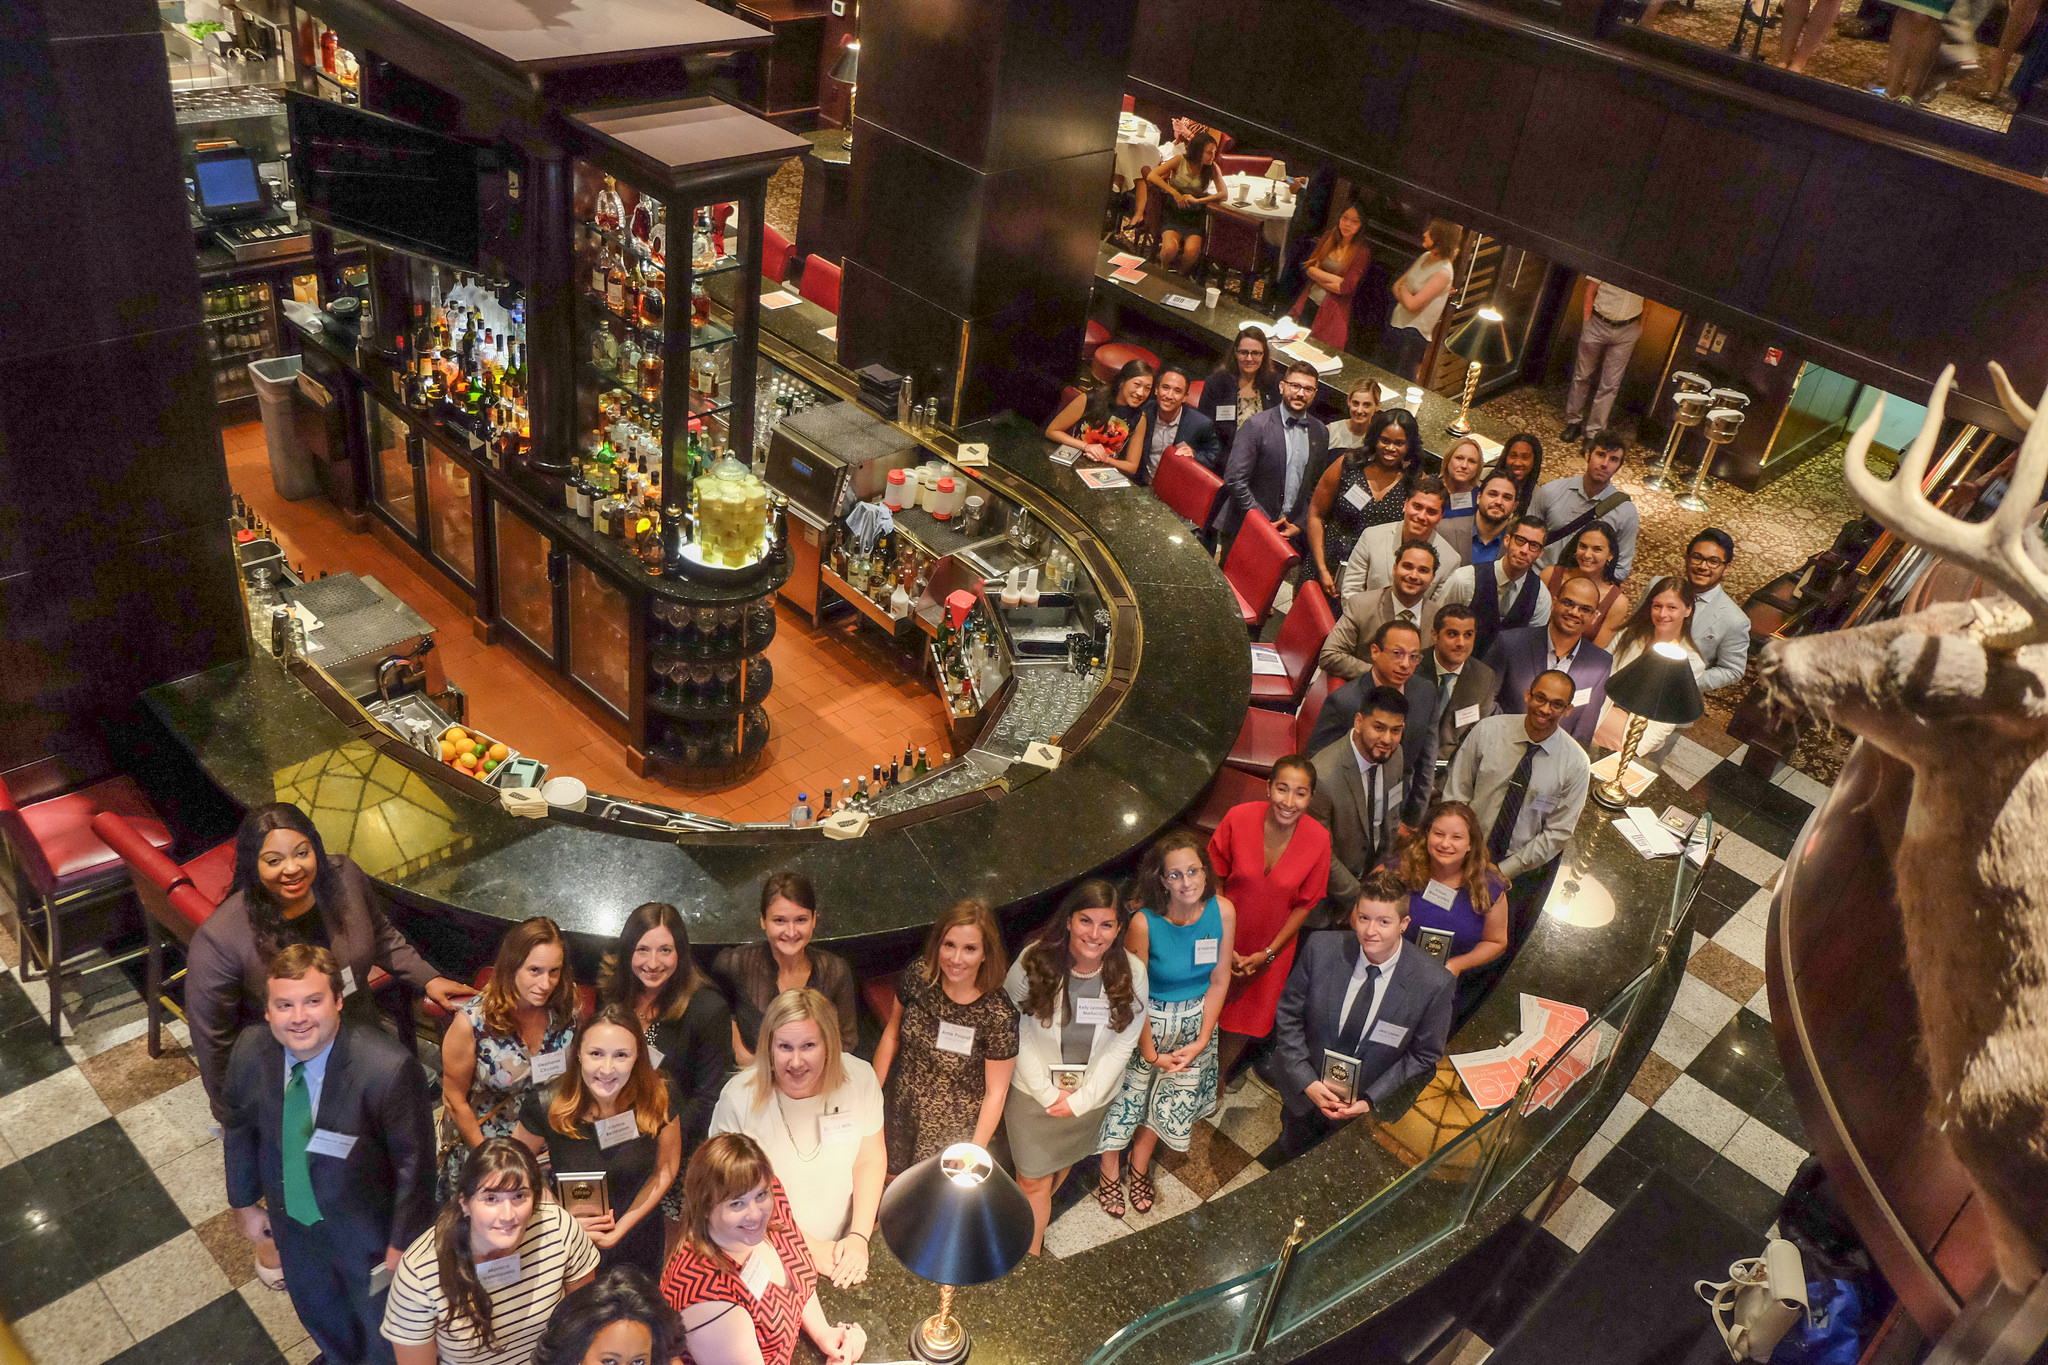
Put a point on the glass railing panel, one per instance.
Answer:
(1213, 1325)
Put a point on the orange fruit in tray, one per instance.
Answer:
(447, 752)
(456, 735)
(499, 753)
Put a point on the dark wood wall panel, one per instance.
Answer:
(1848, 243)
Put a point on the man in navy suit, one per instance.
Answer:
(1276, 458)
(1175, 424)
(1396, 658)
(1365, 995)
(328, 1124)
(1518, 656)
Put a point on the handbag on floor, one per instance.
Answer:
(1760, 1301)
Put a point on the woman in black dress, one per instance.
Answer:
(610, 1112)
(1108, 425)
(1368, 487)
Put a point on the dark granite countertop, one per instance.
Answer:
(262, 736)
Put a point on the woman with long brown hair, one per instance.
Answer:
(651, 976)
(1662, 620)
(478, 1287)
(743, 1279)
(612, 1112)
(1245, 385)
(1591, 555)
(1454, 888)
(287, 890)
(1081, 1001)
(817, 1111)
(1190, 183)
(950, 1043)
(1170, 1082)
(1335, 265)
(1419, 298)
(506, 1040)
(753, 974)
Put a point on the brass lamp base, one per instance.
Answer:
(941, 1339)
(1461, 427)
(1613, 795)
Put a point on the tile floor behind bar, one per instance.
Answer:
(116, 1242)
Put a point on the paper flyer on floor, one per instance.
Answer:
(1492, 1075)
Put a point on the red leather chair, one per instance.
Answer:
(1231, 787)
(1130, 104)
(1236, 241)
(1187, 487)
(1113, 356)
(1269, 736)
(61, 866)
(1259, 561)
(1195, 393)
(1300, 643)
(1092, 340)
(821, 283)
(775, 251)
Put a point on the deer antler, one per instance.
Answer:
(1996, 548)
(2015, 406)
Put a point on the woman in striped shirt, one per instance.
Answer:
(478, 1287)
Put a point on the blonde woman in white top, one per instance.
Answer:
(817, 1111)
(1419, 297)
(1081, 1000)
(1663, 617)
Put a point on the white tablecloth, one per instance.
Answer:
(1276, 216)
(1137, 148)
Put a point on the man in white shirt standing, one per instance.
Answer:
(1568, 506)
(1720, 628)
(1614, 320)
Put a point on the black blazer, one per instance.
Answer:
(1195, 429)
(1420, 997)
(1257, 472)
(1418, 739)
(1221, 387)
(696, 1058)
(1476, 687)
(382, 1193)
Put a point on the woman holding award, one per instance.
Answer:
(1171, 1081)
(1081, 998)
(950, 1043)
(817, 1112)
(613, 1141)
(1457, 899)
(1272, 860)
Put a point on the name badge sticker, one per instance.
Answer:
(836, 1128)
(956, 1038)
(655, 1056)
(1465, 715)
(1226, 412)
(617, 1129)
(348, 982)
(496, 1274)
(1207, 950)
(1388, 1035)
(548, 1065)
(1091, 1009)
(1437, 893)
(755, 1276)
(327, 1142)
(380, 1279)
(1356, 496)
(1461, 502)
(1582, 696)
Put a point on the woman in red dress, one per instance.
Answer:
(742, 1278)
(1273, 861)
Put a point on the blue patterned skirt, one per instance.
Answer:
(1169, 1103)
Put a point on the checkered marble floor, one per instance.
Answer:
(116, 1242)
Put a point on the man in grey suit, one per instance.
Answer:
(329, 1126)
(1275, 459)
(1365, 996)
(1720, 629)
(1395, 653)
(1465, 687)
(1405, 599)
(1360, 784)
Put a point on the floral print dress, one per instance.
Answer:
(504, 1075)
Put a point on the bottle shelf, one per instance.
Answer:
(230, 317)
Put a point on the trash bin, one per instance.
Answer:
(291, 466)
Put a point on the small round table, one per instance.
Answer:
(1275, 216)
(1137, 148)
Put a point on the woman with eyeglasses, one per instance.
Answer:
(1170, 1082)
(1242, 388)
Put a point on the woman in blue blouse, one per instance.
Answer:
(1170, 1081)
(1453, 886)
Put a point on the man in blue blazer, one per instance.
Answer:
(1173, 423)
(1364, 994)
(328, 1124)
(1519, 655)
(1276, 458)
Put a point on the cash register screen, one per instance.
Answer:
(227, 184)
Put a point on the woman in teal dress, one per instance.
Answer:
(1170, 1082)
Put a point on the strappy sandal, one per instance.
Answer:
(1143, 1196)
(1110, 1194)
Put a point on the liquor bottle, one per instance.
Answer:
(878, 778)
(906, 756)
(702, 254)
(700, 306)
(922, 766)
(860, 795)
(825, 806)
(846, 794)
(895, 774)
(611, 209)
(651, 284)
(586, 496)
(614, 280)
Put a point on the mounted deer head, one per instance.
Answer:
(2005, 549)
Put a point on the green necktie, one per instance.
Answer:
(298, 1129)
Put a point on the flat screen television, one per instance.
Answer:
(386, 181)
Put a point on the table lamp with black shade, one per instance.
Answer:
(955, 1219)
(847, 69)
(1659, 685)
(1483, 340)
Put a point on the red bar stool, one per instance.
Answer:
(61, 866)
(1259, 561)
(1113, 356)
(774, 254)
(1186, 487)
(1092, 341)
(1269, 736)
(821, 283)
(1299, 644)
